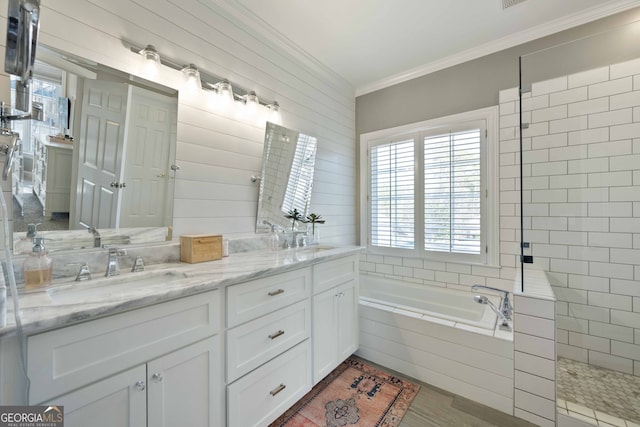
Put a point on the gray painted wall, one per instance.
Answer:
(475, 84)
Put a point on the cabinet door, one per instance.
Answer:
(347, 334)
(325, 326)
(118, 401)
(184, 386)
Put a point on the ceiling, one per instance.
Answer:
(375, 43)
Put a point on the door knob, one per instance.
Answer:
(113, 184)
(116, 184)
(162, 175)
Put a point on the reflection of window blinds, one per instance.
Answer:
(300, 176)
(392, 195)
(452, 192)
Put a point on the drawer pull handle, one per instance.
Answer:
(277, 389)
(276, 334)
(274, 293)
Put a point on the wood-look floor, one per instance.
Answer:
(436, 407)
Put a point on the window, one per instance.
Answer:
(433, 186)
(392, 194)
(47, 91)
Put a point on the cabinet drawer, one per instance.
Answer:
(333, 273)
(250, 300)
(253, 343)
(65, 359)
(264, 394)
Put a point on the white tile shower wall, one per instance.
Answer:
(217, 152)
(589, 212)
(582, 207)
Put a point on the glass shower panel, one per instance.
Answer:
(579, 160)
(577, 111)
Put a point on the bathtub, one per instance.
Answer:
(438, 335)
(450, 306)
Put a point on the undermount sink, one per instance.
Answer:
(100, 287)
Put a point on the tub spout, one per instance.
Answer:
(481, 299)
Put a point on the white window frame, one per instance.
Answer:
(489, 185)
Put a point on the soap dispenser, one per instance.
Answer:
(274, 239)
(38, 267)
(25, 243)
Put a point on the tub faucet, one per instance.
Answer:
(505, 306)
(481, 299)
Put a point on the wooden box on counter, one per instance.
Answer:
(200, 248)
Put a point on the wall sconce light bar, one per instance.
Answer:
(208, 81)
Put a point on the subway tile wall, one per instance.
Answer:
(581, 190)
(581, 182)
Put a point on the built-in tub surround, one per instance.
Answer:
(449, 350)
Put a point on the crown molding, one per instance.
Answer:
(552, 27)
(237, 13)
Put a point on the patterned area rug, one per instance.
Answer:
(354, 394)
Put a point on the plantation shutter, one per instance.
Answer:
(392, 194)
(452, 192)
(300, 176)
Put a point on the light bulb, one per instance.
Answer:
(150, 61)
(274, 115)
(191, 76)
(225, 93)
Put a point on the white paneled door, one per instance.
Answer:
(102, 128)
(147, 198)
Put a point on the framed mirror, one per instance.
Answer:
(102, 159)
(287, 176)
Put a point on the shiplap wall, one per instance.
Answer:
(217, 152)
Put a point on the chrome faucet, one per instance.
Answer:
(113, 268)
(484, 300)
(505, 305)
(96, 236)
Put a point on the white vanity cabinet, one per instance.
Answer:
(335, 314)
(268, 346)
(138, 368)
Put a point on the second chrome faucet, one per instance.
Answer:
(113, 267)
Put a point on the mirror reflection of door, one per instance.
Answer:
(101, 144)
(125, 150)
(146, 172)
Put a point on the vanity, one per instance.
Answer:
(232, 342)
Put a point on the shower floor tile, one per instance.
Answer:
(610, 394)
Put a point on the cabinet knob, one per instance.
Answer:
(140, 386)
(157, 377)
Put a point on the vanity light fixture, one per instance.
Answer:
(191, 77)
(224, 93)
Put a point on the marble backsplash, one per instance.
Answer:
(67, 263)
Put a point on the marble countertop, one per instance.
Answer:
(67, 302)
